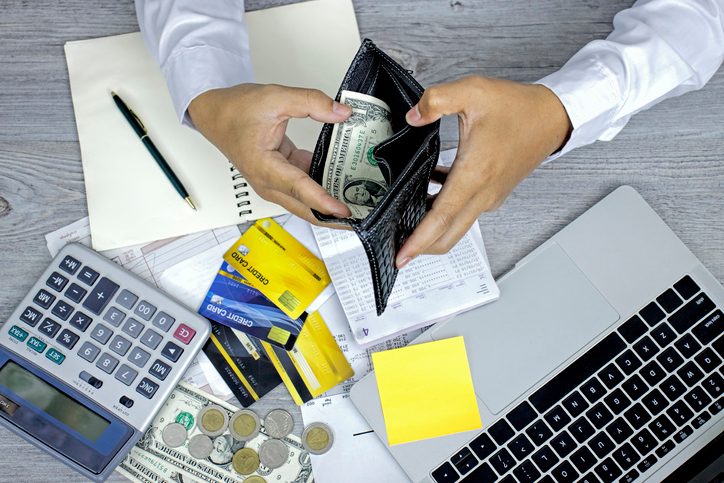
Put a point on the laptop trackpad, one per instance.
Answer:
(547, 311)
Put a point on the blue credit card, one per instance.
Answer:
(232, 302)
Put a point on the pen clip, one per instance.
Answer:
(138, 120)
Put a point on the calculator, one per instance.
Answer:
(89, 357)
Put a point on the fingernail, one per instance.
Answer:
(341, 109)
(413, 115)
(403, 262)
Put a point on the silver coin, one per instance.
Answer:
(200, 446)
(273, 453)
(212, 420)
(317, 438)
(278, 423)
(244, 425)
(174, 435)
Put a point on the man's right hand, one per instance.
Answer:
(248, 124)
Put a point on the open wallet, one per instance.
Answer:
(406, 160)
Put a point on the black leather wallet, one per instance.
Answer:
(406, 160)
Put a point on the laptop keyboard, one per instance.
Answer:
(614, 412)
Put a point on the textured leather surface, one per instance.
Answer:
(406, 160)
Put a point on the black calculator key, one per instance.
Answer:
(545, 458)
(75, 293)
(628, 362)
(521, 416)
(665, 449)
(557, 418)
(713, 384)
(632, 329)
(608, 471)
(617, 401)
(652, 314)
(147, 388)
(80, 321)
(563, 444)
(662, 427)
(701, 420)
(690, 374)
(482, 474)
(653, 373)
(708, 360)
(669, 301)
(645, 348)
(69, 265)
(663, 334)
(483, 446)
(463, 460)
(501, 431)
(88, 276)
(445, 474)
(160, 369)
(49, 327)
(601, 444)
(564, 473)
(686, 287)
(581, 429)
(647, 463)
(44, 298)
(683, 433)
(526, 472)
(611, 376)
(655, 402)
(619, 430)
(688, 346)
(583, 459)
(680, 413)
(716, 406)
(697, 399)
(709, 328)
(126, 299)
(539, 432)
(67, 339)
(635, 387)
(56, 281)
(670, 359)
(691, 313)
(626, 456)
(101, 294)
(575, 404)
(171, 351)
(31, 316)
(521, 447)
(673, 388)
(593, 390)
(62, 309)
(599, 415)
(637, 416)
(502, 461)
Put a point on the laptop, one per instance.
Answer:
(601, 361)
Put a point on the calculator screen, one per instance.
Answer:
(52, 401)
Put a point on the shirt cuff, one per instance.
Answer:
(192, 71)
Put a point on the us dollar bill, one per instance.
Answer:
(152, 460)
(351, 173)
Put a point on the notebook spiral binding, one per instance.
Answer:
(240, 192)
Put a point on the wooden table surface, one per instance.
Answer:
(673, 154)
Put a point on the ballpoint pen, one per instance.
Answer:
(140, 130)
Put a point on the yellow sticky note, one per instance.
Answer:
(426, 390)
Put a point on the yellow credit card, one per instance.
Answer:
(275, 263)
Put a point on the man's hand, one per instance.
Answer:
(506, 130)
(248, 124)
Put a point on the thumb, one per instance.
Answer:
(437, 101)
(299, 102)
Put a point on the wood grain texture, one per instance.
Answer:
(672, 154)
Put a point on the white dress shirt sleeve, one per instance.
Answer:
(658, 49)
(199, 44)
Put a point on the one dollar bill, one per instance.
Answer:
(351, 173)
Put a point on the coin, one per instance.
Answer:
(317, 438)
(212, 420)
(255, 479)
(200, 446)
(273, 453)
(278, 423)
(174, 435)
(245, 461)
(244, 425)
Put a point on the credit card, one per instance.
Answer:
(275, 263)
(233, 302)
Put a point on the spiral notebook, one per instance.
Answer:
(130, 201)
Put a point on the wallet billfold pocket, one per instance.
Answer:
(406, 160)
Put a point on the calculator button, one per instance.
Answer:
(107, 363)
(101, 333)
(93, 381)
(184, 333)
(114, 316)
(119, 345)
(36, 344)
(171, 351)
(44, 298)
(147, 388)
(145, 310)
(75, 293)
(70, 265)
(49, 327)
(88, 351)
(133, 327)
(55, 356)
(88, 276)
(31, 316)
(18, 333)
(56, 281)
(138, 356)
(100, 295)
(163, 321)
(126, 299)
(151, 339)
(126, 375)
(126, 401)
(159, 369)
(80, 321)
(62, 310)
(67, 339)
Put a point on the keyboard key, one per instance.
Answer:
(635, 387)
(56, 281)
(708, 360)
(619, 430)
(575, 404)
(185, 334)
(673, 388)
(564, 473)
(686, 287)
(578, 371)
(632, 329)
(652, 314)
(507, 479)
(44, 298)
(647, 463)
(611, 376)
(680, 413)
(669, 301)
(581, 429)
(601, 444)
(557, 418)
(663, 335)
(526, 472)
(138, 356)
(88, 351)
(126, 299)
(690, 374)
(106, 363)
(662, 427)
(69, 265)
(67, 339)
(539, 432)
(88, 276)
(628, 362)
(126, 375)
(75, 293)
(691, 313)
(698, 421)
(445, 474)
(683, 433)
(664, 449)
(637, 416)
(617, 401)
(608, 471)
(521, 447)
(716, 406)
(697, 399)
(49, 327)
(521, 416)
(718, 346)
(593, 390)
(670, 359)
(599, 415)
(583, 459)
(31, 316)
(688, 346)
(101, 333)
(645, 348)
(101, 294)
(463, 460)
(483, 446)
(482, 474)
(655, 402)
(710, 328)
(629, 477)
(114, 316)
(502, 461)
(589, 478)
(171, 351)
(163, 321)
(563, 444)
(626, 456)
(653, 373)
(713, 384)
(147, 388)
(545, 458)
(133, 327)
(119, 345)
(501, 431)
(62, 310)
(145, 310)
(151, 339)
